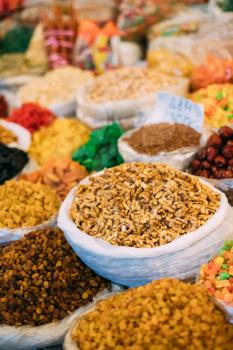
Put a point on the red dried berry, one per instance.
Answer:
(196, 164)
(226, 133)
(201, 154)
(211, 153)
(214, 140)
(227, 174)
(229, 143)
(204, 173)
(206, 165)
(220, 161)
(227, 152)
(214, 170)
(219, 174)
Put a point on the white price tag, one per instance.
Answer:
(175, 109)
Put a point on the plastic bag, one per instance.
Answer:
(28, 337)
(23, 135)
(96, 115)
(136, 16)
(136, 266)
(179, 159)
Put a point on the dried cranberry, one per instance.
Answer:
(226, 132)
(214, 140)
(228, 152)
(206, 165)
(201, 154)
(220, 161)
(196, 164)
(211, 153)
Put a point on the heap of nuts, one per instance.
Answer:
(7, 136)
(25, 204)
(142, 205)
(59, 139)
(42, 280)
(61, 174)
(215, 160)
(164, 315)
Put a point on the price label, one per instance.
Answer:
(175, 109)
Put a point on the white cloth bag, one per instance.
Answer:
(22, 134)
(137, 266)
(97, 115)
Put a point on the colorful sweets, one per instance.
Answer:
(217, 275)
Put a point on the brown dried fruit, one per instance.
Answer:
(214, 140)
(227, 152)
(211, 153)
(226, 132)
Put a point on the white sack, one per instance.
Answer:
(131, 266)
(104, 113)
(28, 337)
(22, 134)
(179, 159)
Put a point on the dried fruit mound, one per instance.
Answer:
(164, 315)
(142, 205)
(61, 174)
(163, 137)
(217, 274)
(25, 204)
(32, 116)
(215, 160)
(42, 280)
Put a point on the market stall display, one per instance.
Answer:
(151, 317)
(217, 277)
(61, 138)
(116, 166)
(12, 161)
(47, 285)
(55, 90)
(216, 99)
(31, 116)
(215, 160)
(101, 149)
(61, 174)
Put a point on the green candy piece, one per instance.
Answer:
(225, 266)
(101, 150)
(224, 276)
(219, 96)
(227, 246)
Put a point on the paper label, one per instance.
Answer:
(175, 109)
